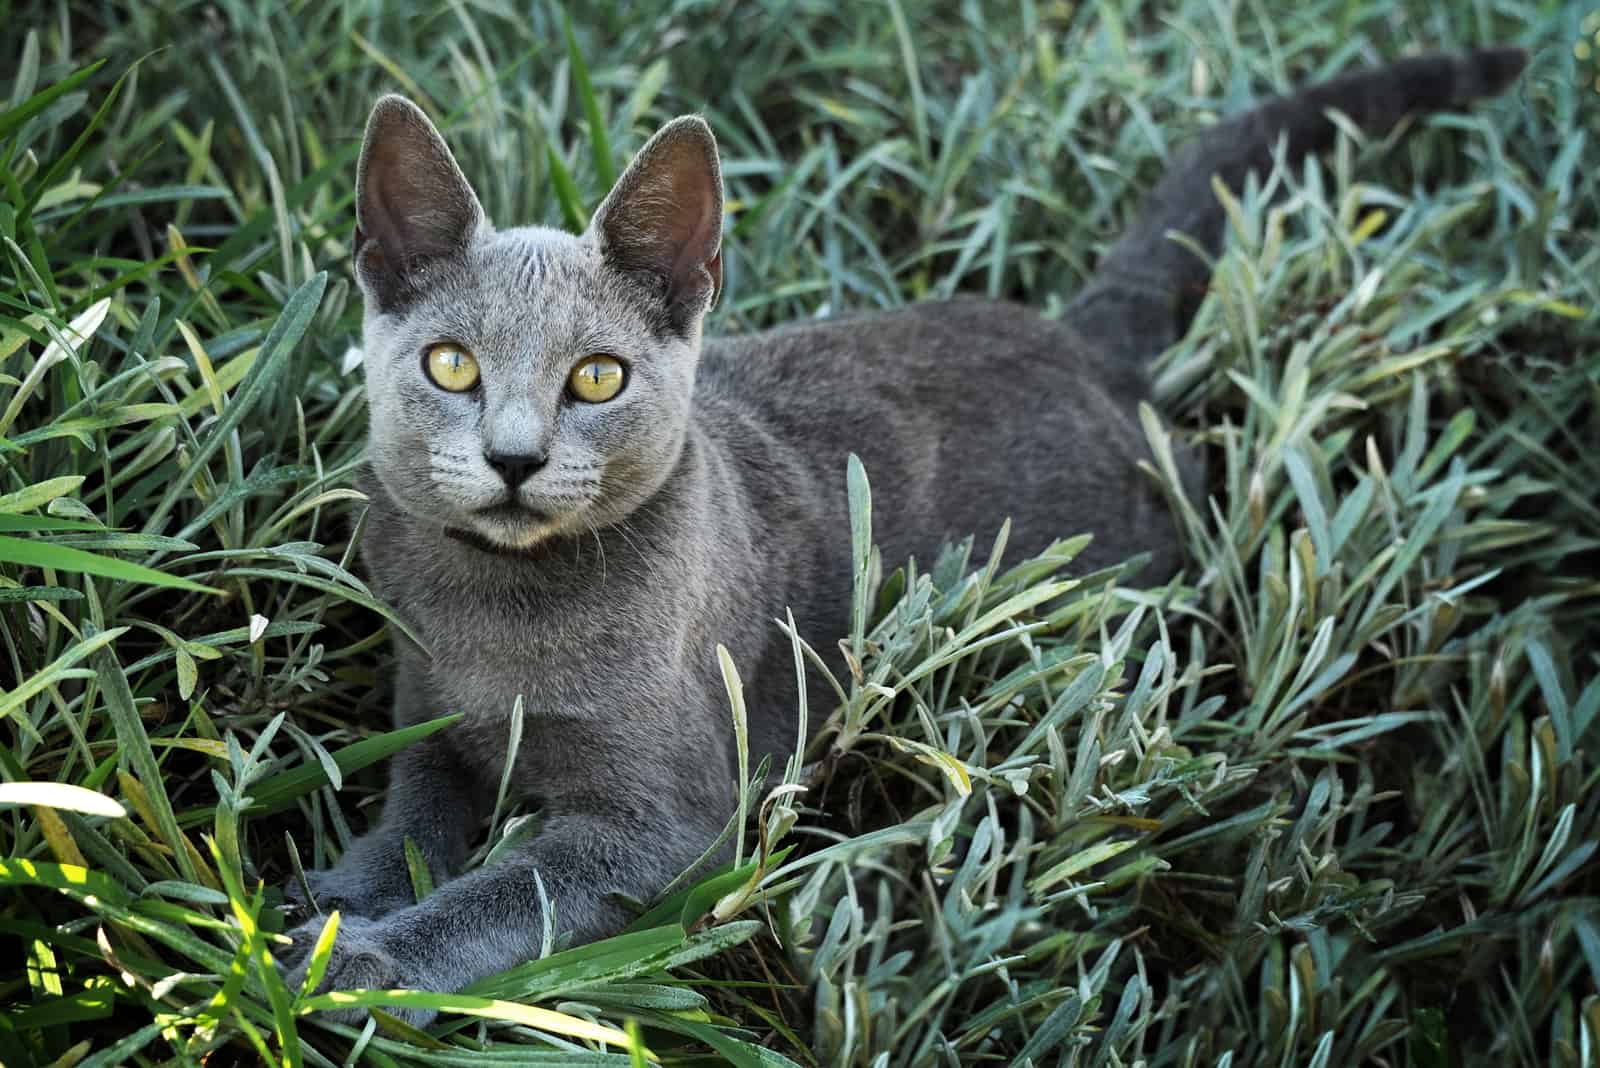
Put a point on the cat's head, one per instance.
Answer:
(527, 383)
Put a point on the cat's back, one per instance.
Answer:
(964, 412)
(918, 352)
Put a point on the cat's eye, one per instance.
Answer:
(597, 378)
(451, 367)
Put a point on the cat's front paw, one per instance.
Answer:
(361, 959)
(348, 890)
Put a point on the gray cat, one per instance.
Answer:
(575, 497)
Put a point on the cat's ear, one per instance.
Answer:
(663, 218)
(413, 204)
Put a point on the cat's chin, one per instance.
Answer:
(508, 529)
(521, 545)
(515, 533)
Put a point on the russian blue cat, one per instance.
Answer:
(575, 497)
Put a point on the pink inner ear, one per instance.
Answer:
(664, 217)
(416, 226)
(380, 221)
(414, 204)
(700, 227)
(714, 268)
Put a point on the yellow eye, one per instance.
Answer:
(597, 378)
(451, 367)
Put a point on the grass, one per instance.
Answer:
(1329, 799)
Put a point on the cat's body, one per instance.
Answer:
(641, 530)
(758, 508)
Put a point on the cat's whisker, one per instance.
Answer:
(621, 527)
(601, 546)
(648, 510)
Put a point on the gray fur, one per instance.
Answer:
(702, 501)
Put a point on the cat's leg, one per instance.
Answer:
(491, 919)
(431, 801)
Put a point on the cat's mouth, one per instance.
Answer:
(512, 512)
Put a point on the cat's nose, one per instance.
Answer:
(515, 467)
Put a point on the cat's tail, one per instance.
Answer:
(1131, 307)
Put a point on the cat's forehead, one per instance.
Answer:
(531, 277)
(518, 287)
(530, 259)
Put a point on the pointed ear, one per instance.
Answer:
(413, 204)
(663, 219)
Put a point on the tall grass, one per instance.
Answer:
(1327, 799)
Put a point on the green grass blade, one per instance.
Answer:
(284, 335)
(27, 552)
(605, 166)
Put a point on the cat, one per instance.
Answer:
(574, 498)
